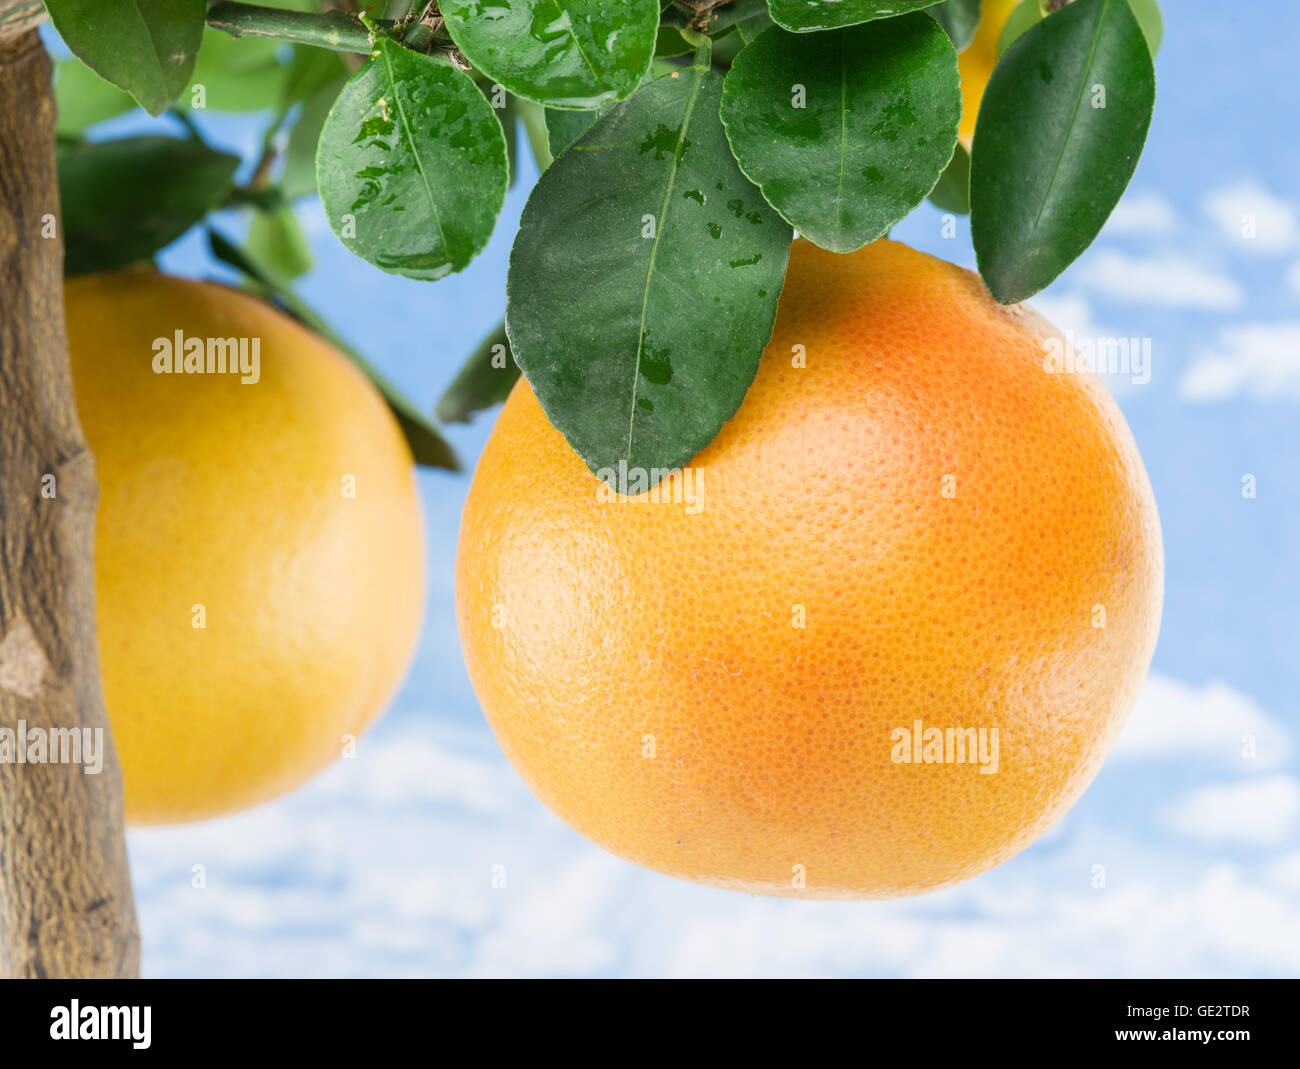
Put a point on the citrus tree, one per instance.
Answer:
(681, 146)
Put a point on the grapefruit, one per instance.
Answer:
(914, 526)
(259, 566)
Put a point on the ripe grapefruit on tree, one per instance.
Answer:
(923, 523)
(259, 566)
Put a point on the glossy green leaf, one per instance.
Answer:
(485, 380)
(124, 200)
(562, 53)
(411, 165)
(1060, 129)
(146, 47)
(643, 282)
(959, 18)
(806, 16)
(428, 447)
(84, 98)
(952, 193)
(845, 131)
(276, 239)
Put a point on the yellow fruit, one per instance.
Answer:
(976, 63)
(921, 524)
(228, 505)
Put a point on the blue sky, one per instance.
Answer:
(383, 865)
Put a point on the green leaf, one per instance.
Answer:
(563, 128)
(84, 98)
(670, 42)
(1147, 13)
(276, 239)
(299, 177)
(643, 282)
(124, 200)
(736, 12)
(959, 18)
(146, 47)
(754, 25)
(845, 131)
(485, 380)
(562, 53)
(1060, 130)
(411, 165)
(952, 194)
(1021, 18)
(805, 16)
(1029, 12)
(427, 444)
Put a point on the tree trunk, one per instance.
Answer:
(65, 890)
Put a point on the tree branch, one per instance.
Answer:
(335, 30)
(65, 891)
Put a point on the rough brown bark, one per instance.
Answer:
(65, 893)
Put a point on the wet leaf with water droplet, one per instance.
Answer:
(561, 53)
(644, 280)
(1052, 157)
(411, 165)
(868, 137)
(806, 16)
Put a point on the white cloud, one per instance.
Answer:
(1141, 213)
(1285, 871)
(1257, 360)
(1067, 312)
(1252, 218)
(1260, 812)
(1214, 725)
(1293, 276)
(1166, 279)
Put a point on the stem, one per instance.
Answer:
(533, 117)
(335, 30)
(703, 48)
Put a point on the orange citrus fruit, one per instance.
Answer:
(259, 566)
(909, 521)
(976, 62)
